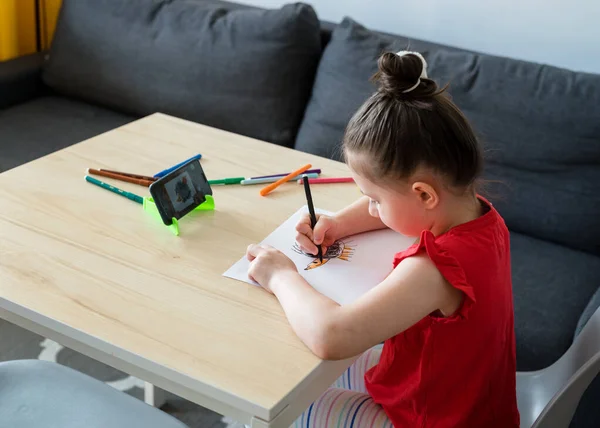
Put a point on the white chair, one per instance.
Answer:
(548, 398)
(37, 393)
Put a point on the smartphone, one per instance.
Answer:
(181, 191)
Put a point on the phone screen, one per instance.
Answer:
(179, 192)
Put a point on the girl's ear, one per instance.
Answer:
(426, 194)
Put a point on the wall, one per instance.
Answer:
(17, 26)
(557, 32)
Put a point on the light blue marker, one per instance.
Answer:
(274, 179)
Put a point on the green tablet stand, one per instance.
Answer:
(150, 207)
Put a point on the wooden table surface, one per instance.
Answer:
(92, 270)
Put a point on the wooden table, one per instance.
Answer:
(92, 271)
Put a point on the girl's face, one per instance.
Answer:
(405, 207)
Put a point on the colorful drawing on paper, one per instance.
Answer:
(338, 250)
(364, 261)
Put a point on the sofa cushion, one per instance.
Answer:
(44, 125)
(248, 71)
(539, 126)
(20, 79)
(552, 285)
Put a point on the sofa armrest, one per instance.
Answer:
(20, 79)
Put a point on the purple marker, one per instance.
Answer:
(310, 171)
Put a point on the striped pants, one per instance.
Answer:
(346, 403)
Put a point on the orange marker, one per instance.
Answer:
(268, 189)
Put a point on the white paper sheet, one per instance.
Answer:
(360, 262)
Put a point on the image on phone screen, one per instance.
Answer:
(181, 192)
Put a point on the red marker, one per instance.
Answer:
(329, 180)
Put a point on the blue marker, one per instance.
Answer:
(173, 168)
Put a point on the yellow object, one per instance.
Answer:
(17, 26)
(49, 15)
(9, 46)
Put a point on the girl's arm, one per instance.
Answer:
(413, 290)
(355, 218)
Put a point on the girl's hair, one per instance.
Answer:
(410, 123)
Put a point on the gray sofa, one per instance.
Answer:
(287, 78)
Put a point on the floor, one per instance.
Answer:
(17, 343)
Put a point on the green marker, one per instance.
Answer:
(128, 195)
(232, 180)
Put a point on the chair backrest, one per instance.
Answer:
(579, 366)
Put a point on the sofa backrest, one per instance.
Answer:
(246, 70)
(540, 127)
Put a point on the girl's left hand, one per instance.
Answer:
(265, 262)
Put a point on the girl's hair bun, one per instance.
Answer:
(408, 124)
(404, 75)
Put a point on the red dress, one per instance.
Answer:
(457, 371)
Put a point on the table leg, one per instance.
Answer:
(153, 395)
(261, 423)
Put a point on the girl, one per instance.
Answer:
(445, 311)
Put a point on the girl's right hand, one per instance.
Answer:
(324, 234)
